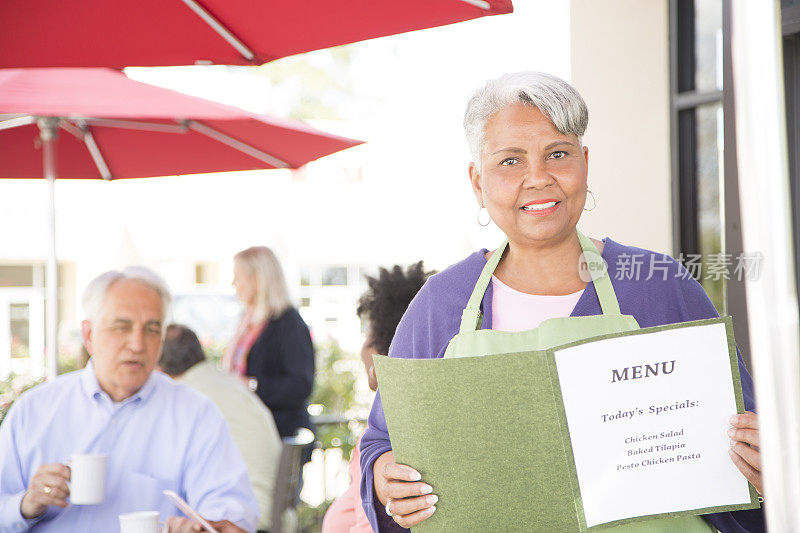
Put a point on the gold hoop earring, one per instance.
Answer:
(481, 209)
(594, 201)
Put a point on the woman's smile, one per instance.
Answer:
(541, 208)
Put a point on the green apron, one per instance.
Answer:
(472, 341)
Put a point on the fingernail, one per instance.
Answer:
(433, 509)
(425, 489)
(416, 476)
(731, 433)
(734, 419)
(432, 499)
(733, 443)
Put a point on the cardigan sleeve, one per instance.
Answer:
(292, 347)
(412, 340)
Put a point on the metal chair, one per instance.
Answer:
(290, 471)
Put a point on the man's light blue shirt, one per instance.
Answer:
(166, 436)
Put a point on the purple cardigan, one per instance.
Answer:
(669, 296)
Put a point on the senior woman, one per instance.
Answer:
(529, 171)
(272, 350)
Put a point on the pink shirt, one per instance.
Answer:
(346, 515)
(513, 310)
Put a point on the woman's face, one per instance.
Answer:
(367, 351)
(532, 178)
(245, 284)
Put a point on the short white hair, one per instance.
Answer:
(555, 98)
(96, 291)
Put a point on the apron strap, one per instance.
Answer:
(599, 272)
(471, 317)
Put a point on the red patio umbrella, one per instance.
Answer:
(87, 33)
(98, 123)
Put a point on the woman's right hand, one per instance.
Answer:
(400, 490)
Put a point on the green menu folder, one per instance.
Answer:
(494, 435)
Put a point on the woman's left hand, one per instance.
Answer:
(745, 451)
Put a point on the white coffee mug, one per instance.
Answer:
(87, 482)
(140, 522)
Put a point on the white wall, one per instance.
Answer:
(620, 64)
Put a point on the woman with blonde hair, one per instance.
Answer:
(272, 350)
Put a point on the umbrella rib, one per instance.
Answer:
(17, 122)
(483, 4)
(218, 27)
(94, 150)
(238, 145)
(71, 128)
(135, 125)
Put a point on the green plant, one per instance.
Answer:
(714, 284)
(70, 363)
(334, 394)
(11, 388)
(214, 351)
(311, 517)
(335, 379)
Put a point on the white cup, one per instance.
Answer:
(87, 479)
(141, 522)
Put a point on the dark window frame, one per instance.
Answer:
(685, 100)
(684, 178)
(790, 26)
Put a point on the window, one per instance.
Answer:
(19, 319)
(334, 276)
(716, 265)
(706, 212)
(697, 118)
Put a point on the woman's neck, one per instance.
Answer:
(548, 269)
(250, 317)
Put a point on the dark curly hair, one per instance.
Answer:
(386, 300)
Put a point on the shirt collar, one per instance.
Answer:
(89, 381)
(92, 387)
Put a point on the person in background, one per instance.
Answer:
(251, 424)
(381, 308)
(271, 351)
(155, 433)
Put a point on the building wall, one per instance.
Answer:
(620, 64)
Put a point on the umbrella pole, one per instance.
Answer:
(48, 128)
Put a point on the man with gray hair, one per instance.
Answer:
(157, 435)
(252, 425)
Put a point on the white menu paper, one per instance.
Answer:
(647, 418)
